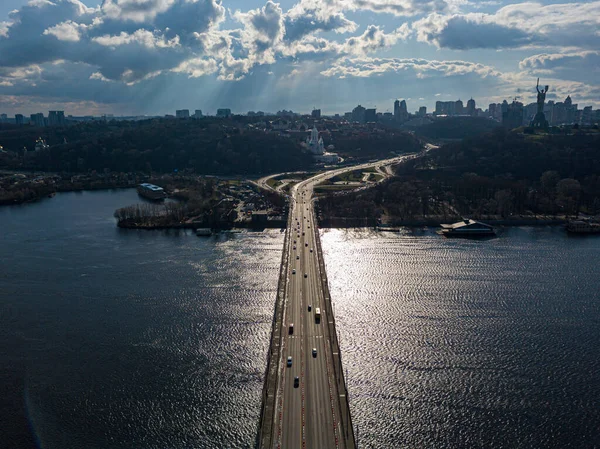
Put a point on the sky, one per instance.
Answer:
(151, 57)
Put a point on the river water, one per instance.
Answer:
(466, 344)
(129, 339)
(151, 339)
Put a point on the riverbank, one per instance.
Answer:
(369, 222)
(27, 187)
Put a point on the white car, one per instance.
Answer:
(314, 352)
(311, 250)
(294, 271)
(289, 362)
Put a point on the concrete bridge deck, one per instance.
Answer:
(315, 413)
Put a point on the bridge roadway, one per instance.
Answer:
(310, 411)
(314, 413)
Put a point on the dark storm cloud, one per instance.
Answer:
(461, 33)
(118, 46)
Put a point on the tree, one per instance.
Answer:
(548, 180)
(568, 195)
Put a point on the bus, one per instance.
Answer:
(317, 314)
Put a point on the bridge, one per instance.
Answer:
(305, 400)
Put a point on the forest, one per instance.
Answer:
(456, 128)
(158, 145)
(497, 175)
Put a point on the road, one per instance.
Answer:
(311, 411)
(308, 415)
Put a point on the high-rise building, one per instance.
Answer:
(56, 118)
(19, 120)
(400, 111)
(513, 117)
(198, 113)
(316, 113)
(422, 111)
(586, 116)
(459, 108)
(450, 107)
(3, 118)
(37, 120)
(358, 114)
(471, 107)
(370, 115)
(224, 113)
(182, 113)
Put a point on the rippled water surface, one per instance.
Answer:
(464, 344)
(129, 339)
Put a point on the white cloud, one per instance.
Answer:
(4, 29)
(263, 29)
(139, 11)
(309, 16)
(581, 66)
(423, 68)
(396, 7)
(374, 39)
(141, 37)
(197, 67)
(66, 31)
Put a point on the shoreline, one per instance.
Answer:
(409, 225)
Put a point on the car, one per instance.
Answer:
(289, 362)
(296, 382)
(314, 352)
(294, 242)
(297, 257)
(303, 233)
(311, 250)
(294, 246)
(305, 275)
(291, 328)
(309, 307)
(293, 271)
(306, 244)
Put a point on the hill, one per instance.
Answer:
(456, 128)
(158, 145)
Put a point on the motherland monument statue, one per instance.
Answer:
(539, 121)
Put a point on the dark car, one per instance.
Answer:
(296, 382)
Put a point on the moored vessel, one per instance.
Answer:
(467, 228)
(583, 227)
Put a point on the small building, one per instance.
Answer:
(260, 218)
(151, 191)
(467, 227)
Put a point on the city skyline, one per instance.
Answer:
(150, 58)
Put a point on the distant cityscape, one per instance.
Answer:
(511, 115)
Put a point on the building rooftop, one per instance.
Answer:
(464, 223)
(149, 186)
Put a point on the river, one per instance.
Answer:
(452, 343)
(133, 339)
(128, 339)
